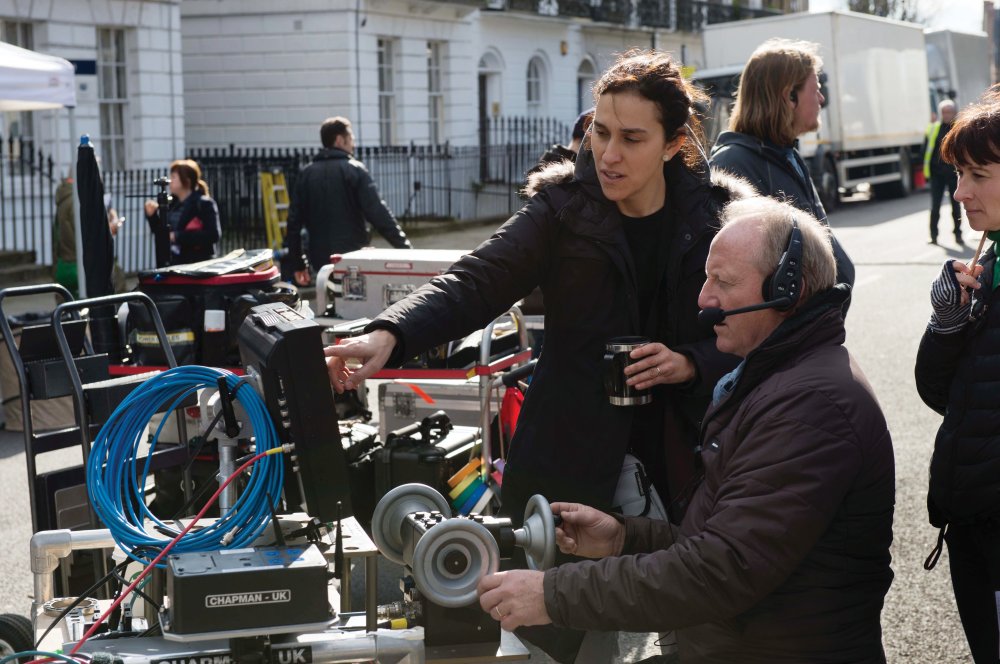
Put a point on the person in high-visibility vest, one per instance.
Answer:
(939, 174)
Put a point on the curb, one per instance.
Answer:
(428, 228)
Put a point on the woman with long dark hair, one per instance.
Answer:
(617, 244)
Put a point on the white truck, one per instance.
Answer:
(874, 79)
(958, 65)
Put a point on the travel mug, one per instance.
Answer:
(616, 358)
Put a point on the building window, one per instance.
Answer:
(435, 92)
(536, 85)
(17, 33)
(112, 97)
(18, 124)
(586, 74)
(386, 91)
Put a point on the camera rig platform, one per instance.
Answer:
(271, 602)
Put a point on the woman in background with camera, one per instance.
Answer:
(617, 243)
(192, 215)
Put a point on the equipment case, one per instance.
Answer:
(411, 459)
(401, 402)
(364, 283)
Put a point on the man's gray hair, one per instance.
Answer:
(946, 103)
(773, 221)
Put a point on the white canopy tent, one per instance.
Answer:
(31, 81)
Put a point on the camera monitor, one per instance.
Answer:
(283, 350)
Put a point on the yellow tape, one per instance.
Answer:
(468, 468)
(463, 485)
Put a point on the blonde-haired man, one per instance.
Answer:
(778, 100)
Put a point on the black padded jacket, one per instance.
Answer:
(956, 375)
(333, 198)
(568, 240)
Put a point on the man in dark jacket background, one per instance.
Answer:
(778, 100)
(783, 554)
(941, 175)
(333, 199)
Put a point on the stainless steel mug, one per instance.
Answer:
(616, 358)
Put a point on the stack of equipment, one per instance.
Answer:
(203, 305)
(426, 452)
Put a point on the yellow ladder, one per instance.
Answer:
(275, 195)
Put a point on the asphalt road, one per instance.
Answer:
(895, 266)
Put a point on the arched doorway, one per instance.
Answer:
(586, 74)
(490, 76)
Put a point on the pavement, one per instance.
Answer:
(895, 265)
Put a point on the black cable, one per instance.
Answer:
(137, 591)
(212, 481)
(209, 483)
(204, 439)
(149, 632)
(115, 618)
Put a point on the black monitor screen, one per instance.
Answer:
(285, 351)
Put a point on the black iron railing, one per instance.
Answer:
(27, 198)
(683, 15)
(461, 182)
(417, 181)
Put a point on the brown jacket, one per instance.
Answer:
(783, 555)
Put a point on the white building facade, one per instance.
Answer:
(129, 78)
(424, 72)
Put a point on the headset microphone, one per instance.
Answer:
(712, 316)
(780, 289)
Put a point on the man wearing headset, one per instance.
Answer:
(778, 100)
(783, 554)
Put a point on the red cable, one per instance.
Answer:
(166, 549)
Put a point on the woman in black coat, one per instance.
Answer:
(193, 217)
(957, 372)
(640, 171)
(617, 244)
(640, 185)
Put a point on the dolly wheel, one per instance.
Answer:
(15, 635)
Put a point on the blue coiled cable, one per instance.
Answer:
(115, 483)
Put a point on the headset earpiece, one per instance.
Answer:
(786, 280)
(794, 96)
